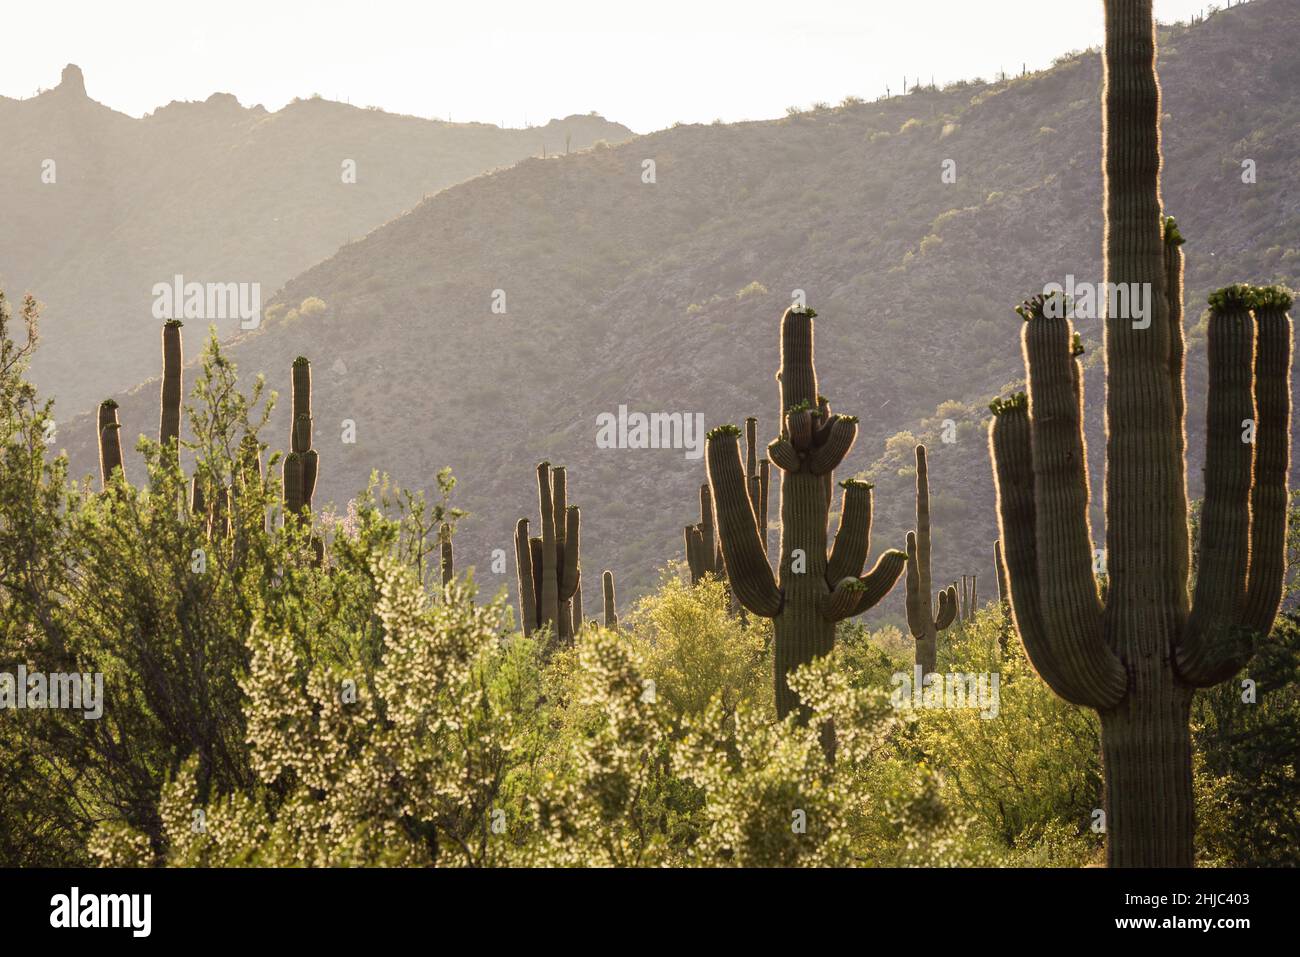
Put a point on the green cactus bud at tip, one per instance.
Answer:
(1172, 236)
(1274, 297)
(1009, 403)
(724, 431)
(1239, 295)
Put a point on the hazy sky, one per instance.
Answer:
(510, 61)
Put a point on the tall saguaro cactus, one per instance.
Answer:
(110, 443)
(924, 621)
(1137, 659)
(812, 590)
(302, 462)
(548, 565)
(169, 426)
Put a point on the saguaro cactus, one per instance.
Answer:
(448, 559)
(169, 426)
(703, 554)
(548, 566)
(1137, 659)
(969, 597)
(924, 621)
(110, 443)
(814, 590)
(302, 463)
(611, 606)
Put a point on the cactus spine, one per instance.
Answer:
(169, 425)
(110, 443)
(814, 590)
(302, 463)
(1137, 659)
(611, 607)
(924, 621)
(548, 566)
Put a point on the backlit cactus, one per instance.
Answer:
(611, 606)
(926, 617)
(110, 443)
(548, 565)
(968, 598)
(302, 463)
(703, 554)
(813, 590)
(446, 555)
(1137, 658)
(169, 425)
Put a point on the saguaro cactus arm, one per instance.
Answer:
(853, 596)
(1270, 496)
(1079, 675)
(549, 607)
(1067, 589)
(1242, 558)
(524, 574)
(853, 536)
(746, 560)
(839, 438)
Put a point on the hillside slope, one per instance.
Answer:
(665, 296)
(213, 191)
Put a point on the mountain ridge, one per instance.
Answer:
(665, 295)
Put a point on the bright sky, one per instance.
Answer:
(514, 61)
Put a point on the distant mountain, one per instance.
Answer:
(213, 191)
(665, 296)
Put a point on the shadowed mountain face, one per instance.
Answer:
(665, 295)
(99, 206)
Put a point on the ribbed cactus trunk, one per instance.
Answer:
(169, 426)
(1138, 659)
(811, 591)
(110, 443)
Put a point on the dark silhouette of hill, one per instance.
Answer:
(666, 296)
(214, 191)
